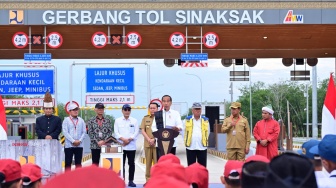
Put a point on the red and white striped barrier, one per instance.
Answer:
(191, 64)
(36, 64)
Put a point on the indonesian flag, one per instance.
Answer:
(3, 126)
(329, 109)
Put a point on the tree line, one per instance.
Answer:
(277, 95)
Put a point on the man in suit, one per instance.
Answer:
(48, 126)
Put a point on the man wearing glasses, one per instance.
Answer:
(126, 130)
(196, 134)
(99, 130)
(74, 130)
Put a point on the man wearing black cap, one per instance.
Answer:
(99, 130)
(196, 134)
(126, 130)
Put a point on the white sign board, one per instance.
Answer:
(24, 102)
(110, 99)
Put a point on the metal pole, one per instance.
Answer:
(149, 92)
(82, 95)
(231, 91)
(45, 39)
(314, 103)
(288, 119)
(224, 109)
(70, 84)
(251, 120)
(186, 37)
(200, 82)
(55, 84)
(307, 110)
(30, 43)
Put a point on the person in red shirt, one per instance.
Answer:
(266, 132)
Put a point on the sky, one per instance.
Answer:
(175, 81)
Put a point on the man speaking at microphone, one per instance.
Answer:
(167, 118)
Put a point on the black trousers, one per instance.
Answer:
(159, 154)
(95, 153)
(69, 153)
(130, 154)
(197, 155)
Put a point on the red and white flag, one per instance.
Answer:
(3, 125)
(329, 110)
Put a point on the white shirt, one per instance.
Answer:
(328, 181)
(127, 128)
(73, 129)
(196, 139)
(171, 118)
(321, 174)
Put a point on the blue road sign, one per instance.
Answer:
(109, 80)
(26, 82)
(37, 57)
(194, 56)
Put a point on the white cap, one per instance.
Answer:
(72, 106)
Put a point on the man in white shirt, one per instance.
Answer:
(315, 159)
(74, 131)
(167, 118)
(327, 150)
(126, 130)
(196, 134)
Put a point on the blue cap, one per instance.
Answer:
(306, 147)
(326, 148)
(126, 106)
(196, 105)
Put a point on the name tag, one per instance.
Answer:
(234, 132)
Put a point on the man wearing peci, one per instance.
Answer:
(167, 118)
(149, 140)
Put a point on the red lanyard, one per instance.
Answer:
(100, 122)
(74, 122)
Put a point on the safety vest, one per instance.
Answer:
(189, 129)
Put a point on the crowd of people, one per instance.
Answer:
(163, 168)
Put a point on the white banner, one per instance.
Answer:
(110, 99)
(38, 102)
